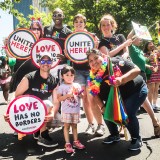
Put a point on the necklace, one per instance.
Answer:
(95, 79)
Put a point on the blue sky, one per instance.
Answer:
(6, 24)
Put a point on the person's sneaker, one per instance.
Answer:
(68, 148)
(136, 144)
(155, 108)
(100, 130)
(46, 142)
(77, 144)
(36, 135)
(110, 139)
(90, 129)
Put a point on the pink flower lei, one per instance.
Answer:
(94, 80)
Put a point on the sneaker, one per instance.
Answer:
(77, 144)
(100, 130)
(68, 148)
(136, 144)
(46, 142)
(110, 139)
(90, 129)
(36, 135)
(155, 108)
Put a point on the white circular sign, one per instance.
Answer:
(46, 45)
(77, 44)
(20, 43)
(26, 114)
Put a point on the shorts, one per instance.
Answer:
(81, 77)
(48, 103)
(70, 117)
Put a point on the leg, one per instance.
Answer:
(150, 92)
(147, 106)
(66, 132)
(155, 93)
(96, 105)
(132, 104)
(74, 131)
(5, 89)
(76, 144)
(87, 107)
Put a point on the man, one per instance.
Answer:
(32, 83)
(58, 31)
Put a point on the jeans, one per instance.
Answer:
(131, 104)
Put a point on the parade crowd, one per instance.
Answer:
(71, 85)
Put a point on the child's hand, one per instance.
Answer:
(70, 95)
(6, 117)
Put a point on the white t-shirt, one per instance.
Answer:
(70, 105)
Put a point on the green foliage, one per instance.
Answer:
(140, 11)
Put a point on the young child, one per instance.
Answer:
(69, 94)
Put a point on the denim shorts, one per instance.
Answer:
(81, 77)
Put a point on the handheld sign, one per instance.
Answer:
(46, 45)
(141, 31)
(26, 114)
(77, 44)
(20, 43)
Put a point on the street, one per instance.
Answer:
(27, 149)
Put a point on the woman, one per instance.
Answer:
(138, 58)
(82, 73)
(132, 88)
(116, 44)
(27, 66)
(154, 81)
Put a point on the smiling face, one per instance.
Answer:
(36, 29)
(151, 46)
(95, 61)
(58, 17)
(68, 77)
(79, 24)
(45, 64)
(106, 26)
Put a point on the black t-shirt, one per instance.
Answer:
(127, 89)
(113, 42)
(39, 86)
(58, 35)
(25, 68)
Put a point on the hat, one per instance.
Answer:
(42, 54)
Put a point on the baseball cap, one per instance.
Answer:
(45, 54)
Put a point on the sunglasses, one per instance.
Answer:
(35, 29)
(45, 62)
(57, 15)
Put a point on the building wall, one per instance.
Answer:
(22, 7)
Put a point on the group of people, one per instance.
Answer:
(80, 81)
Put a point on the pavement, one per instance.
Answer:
(27, 149)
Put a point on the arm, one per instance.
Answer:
(22, 87)
(63, 97)
(120, 47)
(130, 75)
(104, 50)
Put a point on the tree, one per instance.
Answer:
(140, 11)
